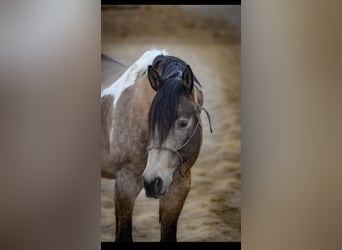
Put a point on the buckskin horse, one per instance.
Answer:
(151, 137)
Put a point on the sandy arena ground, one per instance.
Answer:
(208, 39)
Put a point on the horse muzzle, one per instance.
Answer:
(154, 188)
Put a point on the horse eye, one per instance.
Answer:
(183, 124)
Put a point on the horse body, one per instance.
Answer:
(150, 129)
(124, 127)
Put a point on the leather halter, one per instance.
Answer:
(176, 150)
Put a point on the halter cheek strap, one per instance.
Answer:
(176, 150)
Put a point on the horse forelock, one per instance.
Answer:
(170, 66)
(163, 111)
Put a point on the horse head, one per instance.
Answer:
(175, 131)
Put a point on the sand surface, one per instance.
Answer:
(208, 39)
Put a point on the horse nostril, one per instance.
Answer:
(158, 184)
(154, 187)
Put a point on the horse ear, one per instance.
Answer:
(188, 79)
(153, 77)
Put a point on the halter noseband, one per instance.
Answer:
(176, 150)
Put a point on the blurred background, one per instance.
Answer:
(208, 39)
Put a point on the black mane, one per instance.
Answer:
(163, 111)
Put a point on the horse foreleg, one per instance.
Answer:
(170, 206)
(127, 188)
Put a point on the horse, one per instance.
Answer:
(151, 137)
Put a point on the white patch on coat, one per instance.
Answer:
(129, 77)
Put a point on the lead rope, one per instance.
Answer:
(187, 141)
